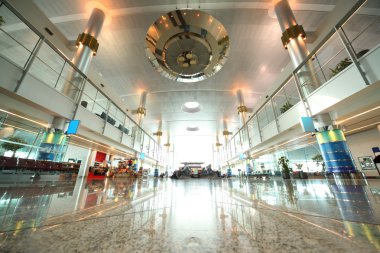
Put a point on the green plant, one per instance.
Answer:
(340, 66)
(318, 159)
(2, 21)
(285, 107)
(14, 144)
(283, 162)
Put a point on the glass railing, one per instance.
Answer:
(328, 60)
(25, 47)
(286, 97)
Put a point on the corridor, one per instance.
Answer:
(190, 215)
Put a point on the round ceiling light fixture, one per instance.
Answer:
(187, 45)
(191, 107)
(192, 128)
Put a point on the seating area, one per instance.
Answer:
(14, 163)
(112, 121)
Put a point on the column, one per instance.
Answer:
(87, 45)
(141, 112)
(293, 39)
(54, 142)
(242, 109)
(159, 135)
(227, 133)
(335, 152)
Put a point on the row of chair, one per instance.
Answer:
(112, 122)
(14, 163)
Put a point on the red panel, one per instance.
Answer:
(100, 157)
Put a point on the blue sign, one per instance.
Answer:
(375, 149)
(307, 124)
(73, 127)
(142, 156)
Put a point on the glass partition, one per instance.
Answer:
(328, 62)
(17, 41)
(363, 29)
(286, 97)
(266, 115)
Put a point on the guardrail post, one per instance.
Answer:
(29, 63)
(351, 52)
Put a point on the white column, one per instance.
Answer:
(296, 46)
(86, 50)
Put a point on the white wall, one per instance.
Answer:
(361, 144)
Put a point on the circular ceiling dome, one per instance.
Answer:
(191, 107)
(187, 45)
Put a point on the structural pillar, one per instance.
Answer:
(87, 45)
(293, 39)
(141, 112)
(54, 142)
(227, 133)
(335, 151)
(159, 135)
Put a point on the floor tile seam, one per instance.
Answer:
(302, 214)
(70, 222)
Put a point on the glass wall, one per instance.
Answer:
(18, 137)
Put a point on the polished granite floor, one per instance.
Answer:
(192, 215)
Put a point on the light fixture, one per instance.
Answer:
(190, 51)
(292, 33)
(359, 114)
(22, 117)
(192, 128)
(191, 107)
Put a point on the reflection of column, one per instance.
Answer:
(335, 152)
(83, 170)
(79, 190)
(293, 37)
(87, 47)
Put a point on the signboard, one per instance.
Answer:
(73, 127)
(307, 124)
(366, 163)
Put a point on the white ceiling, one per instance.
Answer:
(256, 57)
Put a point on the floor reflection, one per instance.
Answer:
(196, 215)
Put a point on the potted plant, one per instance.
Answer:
(340, 66)
(283, 162)
(318, 159)
(285, 107)
(2, 21)
(14, 144)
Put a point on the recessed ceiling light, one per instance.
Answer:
(191, 107)
(192, 128)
